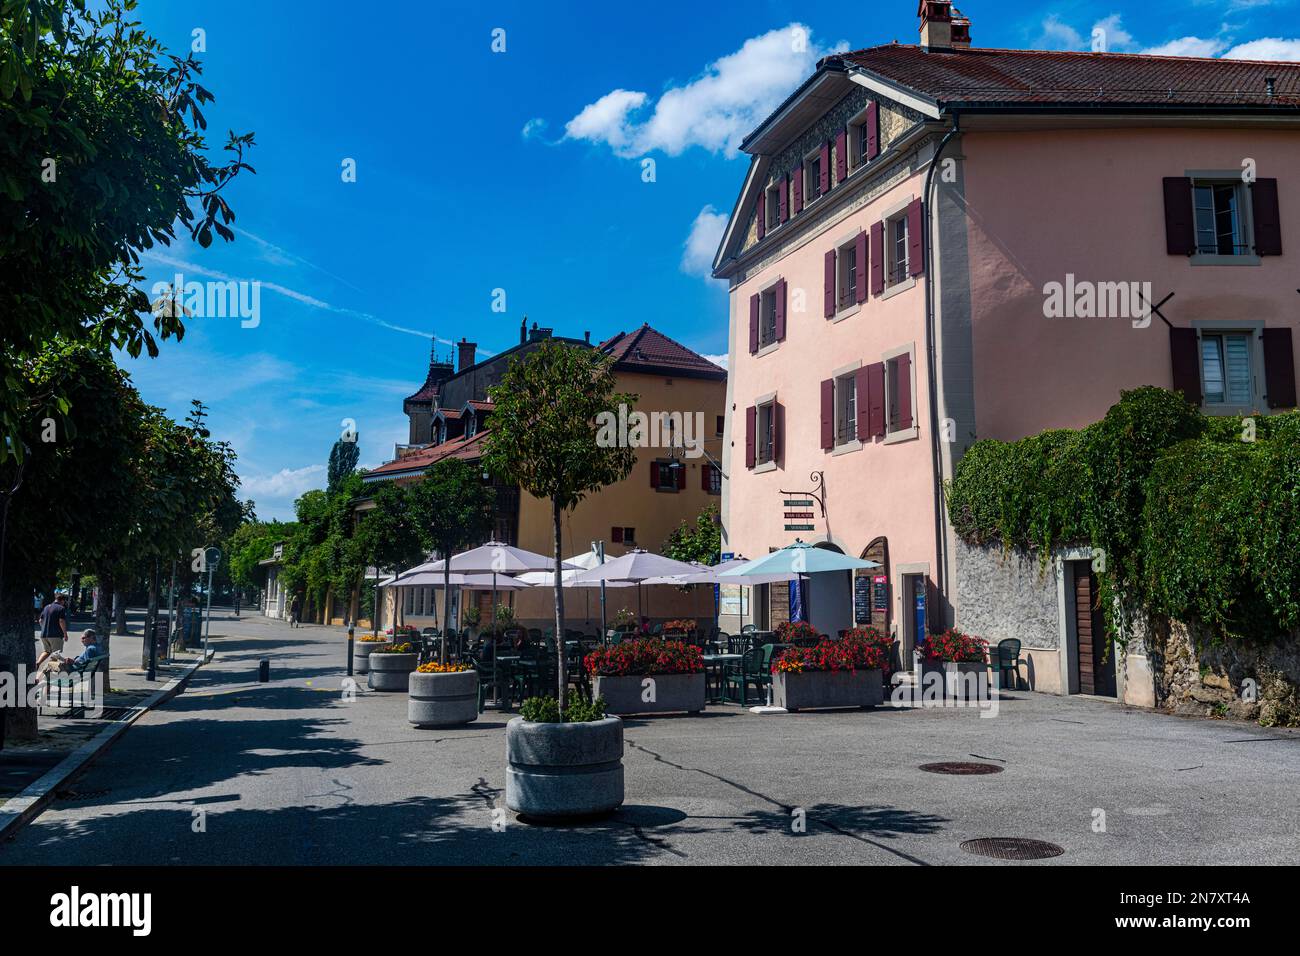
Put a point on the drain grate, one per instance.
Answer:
(1012, 848)
(961, 769)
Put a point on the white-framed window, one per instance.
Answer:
(410, 600)
(859, 135)
(714, 476)
(772, 207)
(1219, 208)
(1227, 368)
(850, 273)
(767, 316)
(471, 424)
(665, 475)
(812, 176)
(846, 408)
(765, 439)
(900, 394)
(896, 270)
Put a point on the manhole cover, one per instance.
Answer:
(1012, 848)
(960, 769)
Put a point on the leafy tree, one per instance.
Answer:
(700, 541)
(389, 535)
(343, 461)
(102, 154)
(543, 438)
(454, 507)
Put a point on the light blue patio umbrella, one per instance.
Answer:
(793, 562)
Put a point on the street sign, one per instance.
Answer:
(800, 527)
(798, 502)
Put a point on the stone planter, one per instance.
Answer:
(361, 651)
(673, 693)
(812, 690)
(961, 683)
(391, 671)
(443, 700)
(564, 770)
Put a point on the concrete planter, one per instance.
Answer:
(361, 651)
(811, 690)
(564, 770)
(673, 693)
(443, 700)
(959, 684)
(391, 671)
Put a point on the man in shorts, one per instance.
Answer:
(54, 626)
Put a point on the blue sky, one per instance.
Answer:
(519, 170)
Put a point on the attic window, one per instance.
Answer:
(812, 171)
(773, 207)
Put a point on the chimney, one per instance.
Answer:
(586, 337)
(523, 330)
(465, 353)
(942, 26)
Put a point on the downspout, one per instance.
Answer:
(936, 448)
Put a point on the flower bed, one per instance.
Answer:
(568, 768)
(860, 649)
(791, 632)
(954, 646)
(687, 625)
(648, 676)
(433, 667)
(953, 666)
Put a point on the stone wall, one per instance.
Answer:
(1002, 594)
(1193, 676)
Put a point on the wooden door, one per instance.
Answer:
(1096, 666)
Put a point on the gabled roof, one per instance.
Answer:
(468, 449)
(444, 412)
(981, 77)
(650, 351)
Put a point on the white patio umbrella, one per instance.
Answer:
(635, 567)
(792, 563)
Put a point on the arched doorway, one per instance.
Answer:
(830, 597)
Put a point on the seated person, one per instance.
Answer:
(90, 650)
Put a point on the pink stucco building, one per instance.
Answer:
(936, 243)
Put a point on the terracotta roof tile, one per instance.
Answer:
(981, 76)
(468, 449)
(648, 349)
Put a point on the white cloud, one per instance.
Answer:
(702, 243)
(285, 483)
(1115, 39)
(534, 128)
(1058, 35)
(715, 110)
(718, 360)
(1188, 46)
(1265, 48)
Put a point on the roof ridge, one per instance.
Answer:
(1080, 53)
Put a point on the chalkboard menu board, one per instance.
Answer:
(862, 599)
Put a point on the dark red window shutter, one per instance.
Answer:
(842, 155)
(828, 413)
(754, 301)
(915, 233)
(1186, 363)
(1268, 221)
(762, 214)
(654, 474)
(903, 372)
(824, 168)
(877, 258)
(861, 253)
(829, 275)
(751, 421)
(782, 205)
(780, 311)
(1180, 232)
(616, 535)
(1279, 368)
(705, 469)
(862, 386)
(681, 478)
(873, 130)
(875, 400)
(796, 190)
(778, 431)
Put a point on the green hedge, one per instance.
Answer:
(1194, 522)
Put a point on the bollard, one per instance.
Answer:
(350, 639)
(263, 671)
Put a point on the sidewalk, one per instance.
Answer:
(128, 691)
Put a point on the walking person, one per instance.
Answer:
(54, 627)
(295, 609)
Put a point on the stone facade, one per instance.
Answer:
(1003, 594)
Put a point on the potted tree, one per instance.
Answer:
(953, 664)
(443, 695)
(648, 676)
(543, 439)
(564, 765)
(471, 619)
(847, 672)
(391, 666)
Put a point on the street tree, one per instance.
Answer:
(543, 438)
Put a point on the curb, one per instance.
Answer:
(18, 810)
